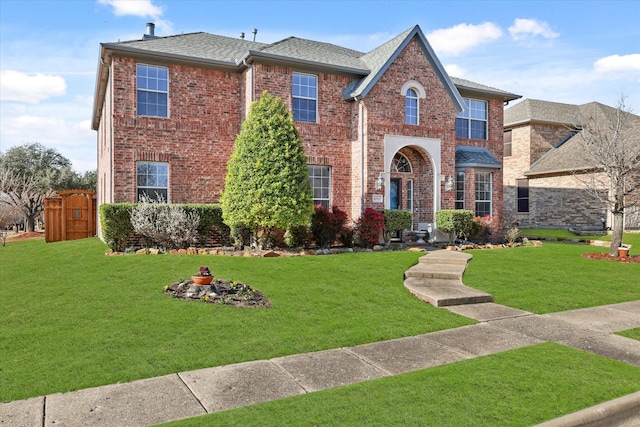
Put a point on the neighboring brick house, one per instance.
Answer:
(382, 129)
(543, 184)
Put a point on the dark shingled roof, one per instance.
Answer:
(566, 156)
(234, 53)
(475, 157)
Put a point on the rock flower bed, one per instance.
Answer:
(218, 292)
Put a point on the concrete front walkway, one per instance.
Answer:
(500, 328)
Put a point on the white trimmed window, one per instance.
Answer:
(320, 177)
(152, 96)
(459, 190)
(152, 180)
(401, 164)
(411, 107)
(483, 193)
(472, 122)
(305, 97)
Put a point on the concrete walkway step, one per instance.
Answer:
(437, 280)
(445, 292)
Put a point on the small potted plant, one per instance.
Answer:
(204, 276)
(623, 251)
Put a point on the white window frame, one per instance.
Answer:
(482, 181)
(152, 86)
(159, 177)
(320, 176)
(303, 92)
(468, 116)
(460, 189)
(412, 107)
(410, 195)
(401, 164)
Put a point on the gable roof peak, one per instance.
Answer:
(380, 59)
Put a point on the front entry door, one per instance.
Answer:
(395, 193)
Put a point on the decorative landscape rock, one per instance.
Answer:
(219, 292)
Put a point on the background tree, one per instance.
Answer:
(611, 145)
(29, 173)
(267, 182)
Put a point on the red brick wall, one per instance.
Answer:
(495, 145)
(386, 115)
(197, 138)
(326, 142)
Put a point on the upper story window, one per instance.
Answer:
(401, 164)
(507, 143)
(412, 92)
(152, 181)
(472, 122)
(152, 90)
(411, 107)
(305, 97)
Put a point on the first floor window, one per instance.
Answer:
(152, 84)
(483, 194)
(410, 195)
(153, 181)
(459, 190)
(320, 177)
(522, 186)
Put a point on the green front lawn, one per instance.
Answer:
(516, 388)
(553, 277)
(561, 233)
(631, 333)
(73, 318)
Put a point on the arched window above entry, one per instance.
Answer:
(401, 164)
(412, 91)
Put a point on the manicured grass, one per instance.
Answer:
(557, 233)
(552, 278)
(515, 388)
(631, 333)
(74, 318)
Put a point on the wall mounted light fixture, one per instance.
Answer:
(448, 186)
(379, 182)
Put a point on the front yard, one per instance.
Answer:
(74, 318)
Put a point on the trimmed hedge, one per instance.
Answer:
(457, 222)
(117, 231)
(396, 221)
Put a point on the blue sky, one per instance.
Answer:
(563, 51)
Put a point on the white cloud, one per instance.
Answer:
(137, 8)
(617, 63)
(525, 29)
(455, 70)
(21, 87)
(463, 37)
(142, 8)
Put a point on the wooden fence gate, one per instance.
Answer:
(71, 216)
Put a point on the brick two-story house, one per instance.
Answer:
(383, 129)
(545, 174)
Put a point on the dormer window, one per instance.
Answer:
(411, 107)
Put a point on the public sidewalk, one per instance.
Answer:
(500, 328)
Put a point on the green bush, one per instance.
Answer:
(210, 220)
(456, 222)
(115, 221)
(396, 221)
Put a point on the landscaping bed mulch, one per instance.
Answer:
(219, 292)
(606, 256)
